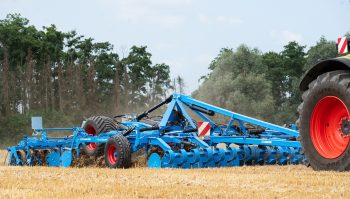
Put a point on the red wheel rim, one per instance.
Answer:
(112, 158)
(91, 131)
(325, 127)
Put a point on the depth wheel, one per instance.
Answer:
(325, 122)
(96, 125)
(117, 152)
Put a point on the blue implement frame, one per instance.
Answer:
(175, 135)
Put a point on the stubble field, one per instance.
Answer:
(242, 182)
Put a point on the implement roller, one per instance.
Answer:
(173, 140)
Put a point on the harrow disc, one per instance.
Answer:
(154, 161)
(66, 158)
(53, 159)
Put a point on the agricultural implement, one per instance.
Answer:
(176, 140)
(173, 140)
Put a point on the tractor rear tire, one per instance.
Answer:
(96, 125)
(322, 116)
(117, 152)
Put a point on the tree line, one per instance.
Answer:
(262, 85)
(53, 70)
(57, 74)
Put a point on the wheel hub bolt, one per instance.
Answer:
(345, 127)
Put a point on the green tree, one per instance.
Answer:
(159, 82)
(179, 84)
(237, 83)
(275, 74)
(5, 84)
(243, 60)
(138, 63)
(294, 59)
(323, 49)
(221, 58)
(291, 70)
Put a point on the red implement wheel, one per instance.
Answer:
(89, 129)
(324, 121)
(112, 154)
(117, 152)
(94, 126)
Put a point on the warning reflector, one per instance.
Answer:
(203, 128)
(342, 45)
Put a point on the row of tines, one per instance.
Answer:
(232, 156)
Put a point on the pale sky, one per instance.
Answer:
(188, 34)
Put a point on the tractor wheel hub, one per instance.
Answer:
(345, 128)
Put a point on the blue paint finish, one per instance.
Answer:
(66, 158)
(229, 125)
(212, 123)
(184, 112)
(154, 161)
(177, 138)
(167, 114)
(53, 159)
(255, 141)
(187, 100)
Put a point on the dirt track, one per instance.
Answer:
(242, 182)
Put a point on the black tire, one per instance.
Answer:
(96, 125)
(315, 128)
(120, 145)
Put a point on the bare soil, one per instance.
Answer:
(140, 182)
